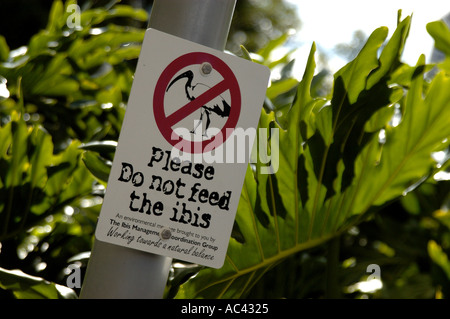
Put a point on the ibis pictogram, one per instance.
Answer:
(218, 105)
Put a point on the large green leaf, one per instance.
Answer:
(405, 158)
(339, 159)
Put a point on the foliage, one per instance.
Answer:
(346, 158)
(441, 34)
(254, 24)
(76, 79)
(66, 88)
(341, 158)
(26, 286)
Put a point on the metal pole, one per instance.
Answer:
(120, 272)
(205, 22)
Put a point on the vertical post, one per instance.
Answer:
(120, 272)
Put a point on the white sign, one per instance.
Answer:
(183, 151)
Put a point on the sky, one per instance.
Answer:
(330, 22)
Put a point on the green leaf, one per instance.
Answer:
(128, 53)
(111, 95)
(30, 287)
(273, 44)
(100, 147)
(35, 182)
(245, 53)
(354, 74)
(441, 35)
(103, 47)
(61, 169)
(390, 56)
(439, 257)
(98, 166)
(55, 21)
(125, 11)
(4, 49)
(39, 43)
(406, 155)
(280, 87)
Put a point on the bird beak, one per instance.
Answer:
(188, 74)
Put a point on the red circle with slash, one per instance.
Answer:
(165, 122)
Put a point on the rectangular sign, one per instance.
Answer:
(183, 151)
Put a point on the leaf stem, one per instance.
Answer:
(255, 226)
(275, 216)
(332, 270)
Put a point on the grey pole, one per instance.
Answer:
(205, 22)
(120, 272)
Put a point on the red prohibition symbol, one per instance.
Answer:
(167, 122)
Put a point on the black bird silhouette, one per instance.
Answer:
(193, 91)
